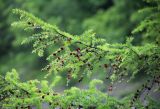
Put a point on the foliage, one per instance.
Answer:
(149, 26)
(117, 22)
(59, 12)
(34, 93)
(16, 94)
(79, 56)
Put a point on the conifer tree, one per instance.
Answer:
(79, 56)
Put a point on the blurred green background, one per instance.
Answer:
(111, 19)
